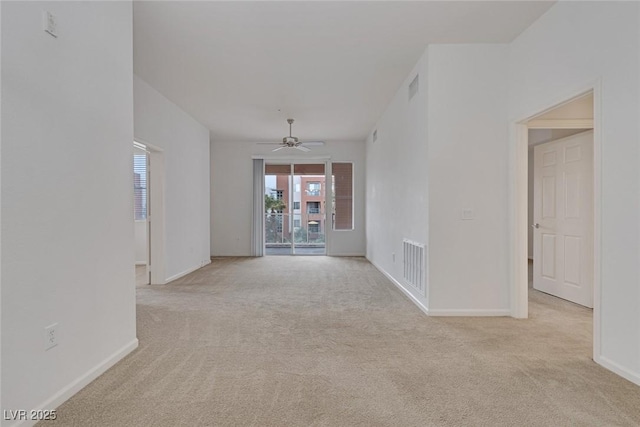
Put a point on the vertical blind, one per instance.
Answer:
(140, 186)
(343, 196)
(257, 223)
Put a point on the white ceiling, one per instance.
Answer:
(242, 68)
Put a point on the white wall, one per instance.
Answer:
(1, 133)
(232, 189)
(185, 145)
(467, 167)
(397, 193)
(566, 50)
(1, 406)
(441, 152)
(67, 224)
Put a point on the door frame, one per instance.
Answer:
(291, 160)
(141, 147)
(155, 214)
(519, 204)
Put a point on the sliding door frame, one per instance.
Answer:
(291, 160)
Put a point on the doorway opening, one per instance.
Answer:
(556, 223)
(295, 209)
(140, 209)
(561, 213)
(148, 213)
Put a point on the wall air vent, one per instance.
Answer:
(414, 259)
(413, 86)
(375, 135)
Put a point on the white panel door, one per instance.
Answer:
(563, 218)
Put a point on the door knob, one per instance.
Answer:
(536, 225)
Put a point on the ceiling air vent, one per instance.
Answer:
(413, 86)
(375, 135)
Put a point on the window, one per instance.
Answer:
(296, 223)
(342, 196)
(279, 195)
(296, 205)
(140, 186)
(313, 188)
(313, 227)
(313, 207)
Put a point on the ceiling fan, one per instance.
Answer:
(293, 142)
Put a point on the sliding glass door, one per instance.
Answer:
(295, 217)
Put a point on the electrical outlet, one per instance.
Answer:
(50, 336)
(467, 213)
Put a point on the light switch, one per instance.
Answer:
(467, 213)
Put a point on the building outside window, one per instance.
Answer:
(313, 188)
(313, 207)
(313, 227)
(279, 221)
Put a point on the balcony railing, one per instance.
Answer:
(281, 229)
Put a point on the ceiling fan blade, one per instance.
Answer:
(312, 143)
(269, 143)
(301, 148)
(279, 148)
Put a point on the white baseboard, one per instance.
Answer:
(471, 313)
(231, 255)
(66, 392)
(348, 254)
(447, 312)
(617, 369)
(141, 263)
(399, 285)
(187, 271)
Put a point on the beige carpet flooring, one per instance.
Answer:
(318, 341)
